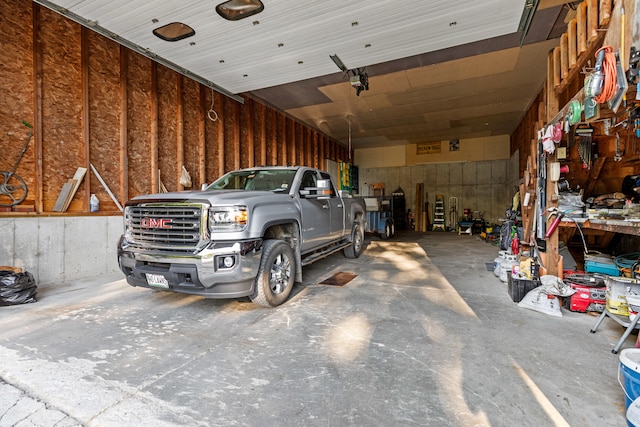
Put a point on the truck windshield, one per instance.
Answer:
(258, 179)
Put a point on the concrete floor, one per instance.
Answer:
(424, 335)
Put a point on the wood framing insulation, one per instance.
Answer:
(95, 103)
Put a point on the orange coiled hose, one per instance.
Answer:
(609, 84)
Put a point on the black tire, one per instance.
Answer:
(357, 242)
(387, 233)
(276, 274)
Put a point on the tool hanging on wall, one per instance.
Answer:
(619, 95)
(607, 82)
(597, 79)
(574, 112)
(585, 145)
(541, 193)
(552, 227)
(632, 72)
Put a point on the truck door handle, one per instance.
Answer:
(325, 206)
(340, 206)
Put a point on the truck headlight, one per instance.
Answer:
(228, 218)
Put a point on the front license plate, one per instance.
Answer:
(157, 280)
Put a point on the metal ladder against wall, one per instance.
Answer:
(439, 221)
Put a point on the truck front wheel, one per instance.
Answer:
(276, 274)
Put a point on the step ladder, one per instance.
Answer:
(439, 222)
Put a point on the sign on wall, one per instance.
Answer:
(428, 148)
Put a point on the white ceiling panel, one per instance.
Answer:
(310, 31)
(427, 60)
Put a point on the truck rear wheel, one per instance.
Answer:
(357, 242)
(276, 274)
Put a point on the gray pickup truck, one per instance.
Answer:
(249, 233)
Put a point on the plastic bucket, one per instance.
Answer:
(629, 379)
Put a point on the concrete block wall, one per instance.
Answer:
(61, 249)
(485, 186)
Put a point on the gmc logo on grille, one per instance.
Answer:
(155, 223)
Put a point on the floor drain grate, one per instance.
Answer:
(339, 279)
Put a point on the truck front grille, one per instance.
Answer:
(177, 227)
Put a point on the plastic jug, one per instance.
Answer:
(94, 203)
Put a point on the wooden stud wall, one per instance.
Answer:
(576, 49)
(584, 35)
(94, 102)
(597, 23)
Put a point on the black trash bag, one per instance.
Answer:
(505, 234)
(17, 288)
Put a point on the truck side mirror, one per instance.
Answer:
(322, 190)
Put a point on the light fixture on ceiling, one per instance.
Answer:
(359, 78)
(530, 7)
(234, 10)
(174, 31)
(94, 25)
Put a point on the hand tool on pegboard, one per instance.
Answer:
(585, 145)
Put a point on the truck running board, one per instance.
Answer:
(314, 256)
